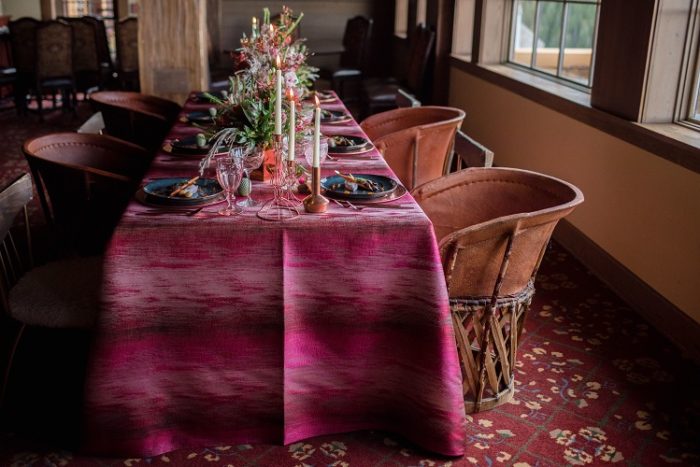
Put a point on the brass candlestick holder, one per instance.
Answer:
(316, 203)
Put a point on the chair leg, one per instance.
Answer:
(10, 360)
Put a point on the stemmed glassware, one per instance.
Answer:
(229, 172)
(251, 160)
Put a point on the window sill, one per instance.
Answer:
(672, 142)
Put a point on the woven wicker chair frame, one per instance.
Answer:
(493, 227)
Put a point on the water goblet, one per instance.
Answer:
(309, 150)
(229, 172)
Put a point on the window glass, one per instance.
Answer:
(555, 37)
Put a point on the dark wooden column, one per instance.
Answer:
(621, 57)
(443, 17)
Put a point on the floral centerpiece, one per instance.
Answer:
(246, 115)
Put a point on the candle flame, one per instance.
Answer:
(318, 103)
(255, 20)
(278, 62)
(290, 94)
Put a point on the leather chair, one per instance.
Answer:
(469, 153)
(23, 45)
(346, 80)
(84, 183)
(416, 142)
(134, 117)
(54, 63)
(60, 294)
(380, 95)
(493, 226)
(128, 53)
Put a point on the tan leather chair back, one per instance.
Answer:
(135, 117)
(416, 142)
(477, 212)
(84, 182)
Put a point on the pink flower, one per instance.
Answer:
(290, 79)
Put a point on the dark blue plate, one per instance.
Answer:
(334, 187)
(342, 144)
(198, 117)
(186, 146)
(158, 192)
(334, 116)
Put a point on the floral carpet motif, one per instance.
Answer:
(595, 385)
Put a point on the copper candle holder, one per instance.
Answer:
(316, 203)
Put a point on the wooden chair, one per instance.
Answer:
(380, 95)
(492, 225)
(404, 99)
(23, 45)
(347, 79)
(416, 142)
(84, 183)
(137, 118)
(60, 294)
(469, 153)
(54, 63)
(128, 53)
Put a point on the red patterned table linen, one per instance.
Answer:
(240, 330)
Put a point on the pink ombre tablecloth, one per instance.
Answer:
(239, 330)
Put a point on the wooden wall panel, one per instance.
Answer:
(173, 47)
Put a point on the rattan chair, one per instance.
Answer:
(60, 294)
(416, 142)
(137, 118)
(84, 183)
(54, 63)
(128, 53)
(492, 225)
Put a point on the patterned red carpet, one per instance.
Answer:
(596, 385)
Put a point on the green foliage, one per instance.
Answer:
(580, 22)
(259, 126)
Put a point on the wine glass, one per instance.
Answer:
(250, 159)
(229, 172)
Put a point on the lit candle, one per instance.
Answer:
(317, 134)
(254, 32)
(278, 98)
(291, 143)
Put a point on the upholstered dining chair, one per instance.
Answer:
(54, 63)
(103, 53)
(86, 60)
(134, 117)
(492, 225)
(353, 59)
(59, 294)
(23, 45)
(128, 53)
(415, 142)
(84, 183)
(379, 95)
(469, 153)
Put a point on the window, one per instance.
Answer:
(463, 29)
(692, 95)
(103, 9)
(555, 37)
(401, 19)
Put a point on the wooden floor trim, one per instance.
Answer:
(667, 318)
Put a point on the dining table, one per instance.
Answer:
(216, 329)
